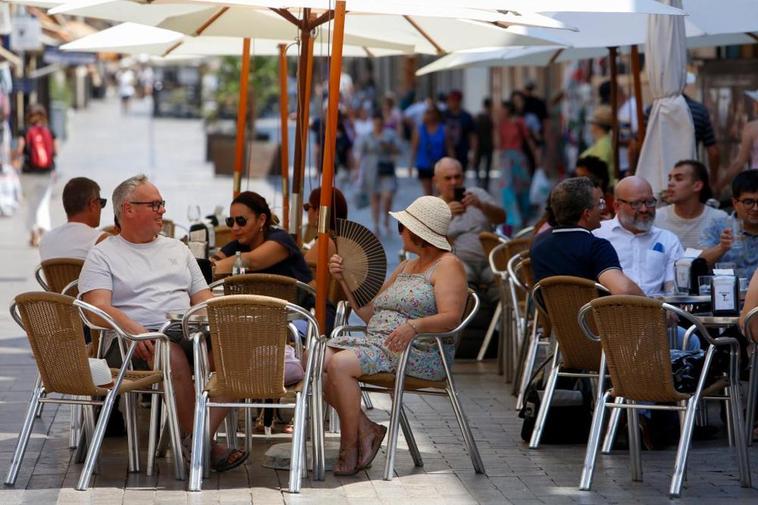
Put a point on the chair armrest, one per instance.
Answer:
(346, 328)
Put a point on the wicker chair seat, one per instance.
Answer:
(387, 381)
(135, 379)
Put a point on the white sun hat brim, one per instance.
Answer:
(428, 218)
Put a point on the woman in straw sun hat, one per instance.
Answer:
(423, 295)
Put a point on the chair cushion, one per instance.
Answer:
(387, 380)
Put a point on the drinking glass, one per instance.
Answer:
(704, 285)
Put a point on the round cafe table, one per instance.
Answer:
(718, 321)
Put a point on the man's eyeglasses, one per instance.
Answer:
(749, 202)
(637, 204)
(240, 220)
(601, 204)
(156, 205)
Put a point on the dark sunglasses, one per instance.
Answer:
(102, 202)
(240, 220)
(156, 205)
(306, 206)
(400, 227)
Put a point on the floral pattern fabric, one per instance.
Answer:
(411, 296)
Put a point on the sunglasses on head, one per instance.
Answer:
(240, 220)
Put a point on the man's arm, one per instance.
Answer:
(618, 283)
(201, 296)
(713, 253)
(494, 213)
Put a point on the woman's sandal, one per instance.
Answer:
(225, 461)
(381, 432)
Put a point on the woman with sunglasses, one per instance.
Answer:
(264, 249)
(338, 210)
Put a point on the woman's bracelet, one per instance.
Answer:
(415, 329)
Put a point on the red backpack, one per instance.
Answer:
(39, 142)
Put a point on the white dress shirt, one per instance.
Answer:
(646, 258)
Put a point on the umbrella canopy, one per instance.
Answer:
(135, 39)
(426, 34)
(670, 133)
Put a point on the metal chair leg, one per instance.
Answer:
(366, 400)
(410, 439)
(154, 427)
(75, 426)
(24, 434)
(613, 426)
(740, 442)
(198, 443)
(468, 436)
(633, 423)
(132, 442)
(248, 428)
(547, 398)
(729, 417)
(397, 405)
(752, 391)
(97, 439)
(680, 464)
(298, 442)
(172, 421)
(230, 428)
(490, 331)
(528, 363)
(593, 442)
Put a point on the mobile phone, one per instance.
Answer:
(458, 194)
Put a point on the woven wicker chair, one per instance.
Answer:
(248, 335)
(53, 325)
(504, 316)
(398, 383)
(634, 338)
(560, 298)
(56, 274)
(752, 390)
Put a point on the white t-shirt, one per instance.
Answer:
(146, 280)
(688, 230)
(646, 258)
(70, 240)
(464, 229)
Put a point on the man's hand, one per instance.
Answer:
(726, 239)
(471, 200)
(145, 350)
(456, 208)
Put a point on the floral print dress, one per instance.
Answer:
(411, 296)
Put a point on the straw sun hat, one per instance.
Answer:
(428, 218)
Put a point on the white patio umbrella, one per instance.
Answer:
(670, 135)
(135, 39)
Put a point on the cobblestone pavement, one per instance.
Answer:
(109, 148)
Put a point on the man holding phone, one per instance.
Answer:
(474, 211)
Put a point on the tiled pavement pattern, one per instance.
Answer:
(515, 474)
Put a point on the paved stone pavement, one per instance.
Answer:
(108, 148)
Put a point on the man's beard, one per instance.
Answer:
(640, 224)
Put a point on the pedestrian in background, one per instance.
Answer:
(428, 145)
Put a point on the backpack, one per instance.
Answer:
(39, 143)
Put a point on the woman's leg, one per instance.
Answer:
(343, 393)
(387, 198)
(426, 184)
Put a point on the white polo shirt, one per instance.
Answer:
(646, 258)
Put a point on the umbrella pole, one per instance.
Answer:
(613, 51)
(284, 138)
(305, 69)
(638, 97)
(327, 180)
(239, 151)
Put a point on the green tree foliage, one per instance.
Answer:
(263, 85)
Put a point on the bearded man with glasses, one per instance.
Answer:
(734, 238)
(137, 277)
(647, 253)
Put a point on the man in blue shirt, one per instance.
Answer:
(570, 248)
(719, 241)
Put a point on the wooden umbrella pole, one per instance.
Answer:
(638, 96)
(613, 52)
(239, 151)
(327, 179)
(301, 126)
(284, 139)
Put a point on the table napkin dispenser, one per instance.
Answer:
(725, 295)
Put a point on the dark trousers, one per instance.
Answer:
(486, 157)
